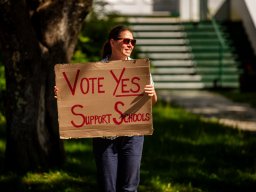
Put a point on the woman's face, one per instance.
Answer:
(120, 48)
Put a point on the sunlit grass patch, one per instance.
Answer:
(49, 178)
(2, 146)
(160, 185)
(55, 181)
(155, 184)
(76, 145)
(2, 119)
(2, 141)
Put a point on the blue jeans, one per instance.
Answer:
(118, 163)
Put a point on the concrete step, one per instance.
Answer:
(160, 34)
(167, 56)
(153, 20)
(202, 34)
(157, 28)
(202, 41)
(187, 70)
(234, 84)
(200, 27)
(194, 78)
(225, 70)
(172, 63)
(211, 55)
(209, 48)
(210, 62)
(180, 85)
(175, 71)
(162, 49)
(227, 77)
(192, 85)
(162, 41)
(178, 78)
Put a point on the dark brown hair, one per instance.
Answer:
(113, 34)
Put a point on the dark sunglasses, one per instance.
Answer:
(127, 41)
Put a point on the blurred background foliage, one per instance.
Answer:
(2, 86)
(2, 76)
(95, 33)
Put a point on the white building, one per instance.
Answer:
(192, 10)
(185, 9)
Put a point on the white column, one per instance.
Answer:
(189, 10)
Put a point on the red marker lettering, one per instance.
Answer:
(124, 85)
(86, 84)
(100, 85)
(77, 114)
(118, 80)
(72, 88)
(116, 121)
(137, 85)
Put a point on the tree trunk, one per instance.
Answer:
(35, 35)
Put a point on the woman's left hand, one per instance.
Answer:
(150, 90)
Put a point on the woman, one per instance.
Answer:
(118, 158)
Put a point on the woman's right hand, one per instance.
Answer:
(56, 91)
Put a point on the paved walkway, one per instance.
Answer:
(213, 105)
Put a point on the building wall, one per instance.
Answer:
(171, 6)
(141, 7)
(215, 5)
(234, 12)
(128, 7)
(245, 10)
(186, 9)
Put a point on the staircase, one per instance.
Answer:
(205, 46)
(184, 55)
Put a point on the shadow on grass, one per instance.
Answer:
(185, 153)
(198, 155)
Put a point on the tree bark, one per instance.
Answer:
(35, 35)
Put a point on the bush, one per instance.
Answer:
(2, 77)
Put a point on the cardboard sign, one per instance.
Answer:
(104, 99)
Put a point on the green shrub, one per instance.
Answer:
(2, 87)
(2, 77)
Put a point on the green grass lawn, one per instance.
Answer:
(185, 154)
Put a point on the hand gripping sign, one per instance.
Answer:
(104, 99)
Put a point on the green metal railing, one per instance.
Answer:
(218, 81)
